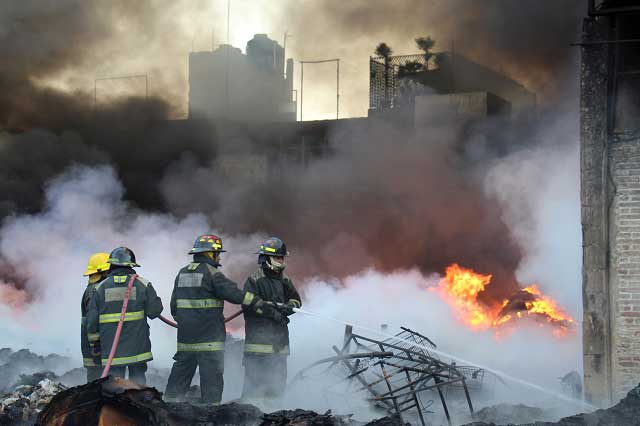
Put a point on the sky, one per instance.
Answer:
(154, 37)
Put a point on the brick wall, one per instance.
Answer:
(625, 265)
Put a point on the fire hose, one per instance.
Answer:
(116, 338)
(175, 325)
(123, 312)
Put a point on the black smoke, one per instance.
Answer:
(384, 195)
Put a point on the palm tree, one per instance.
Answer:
(426, 44)
(384, 50)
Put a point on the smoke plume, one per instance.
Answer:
(58, 49)
(83, 196)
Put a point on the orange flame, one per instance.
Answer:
(460, 287)
(545, 306)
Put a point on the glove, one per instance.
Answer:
(279, 318)
(96, 352)
(269, 310)
(95, 349)
(289, 309)
(286, 309)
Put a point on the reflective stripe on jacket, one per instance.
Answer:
(197, 303)
(134, 345)
(262, 334)
(84, 338)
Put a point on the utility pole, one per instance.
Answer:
(337, 61)
(337, 88)
(284, 49)
(228, 18)
(226, 70)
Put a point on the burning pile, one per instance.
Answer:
(462, 288)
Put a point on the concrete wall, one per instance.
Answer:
(460, 105)
(249, 168)
(457, 74)
(595, 216)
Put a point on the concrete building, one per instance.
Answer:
(470, 88)
(456, 74)
(254, 86)
(610, 193)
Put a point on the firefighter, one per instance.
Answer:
(267, 338)
(97, 270)
(197, 302)
(134, 347)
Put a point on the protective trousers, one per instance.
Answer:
(211, 366)
(93, 373)
(265, 376)
(137, 372)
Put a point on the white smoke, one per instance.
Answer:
(85, 213)
(539, 189)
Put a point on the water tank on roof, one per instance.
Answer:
(265, 54)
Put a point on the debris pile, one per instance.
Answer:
(116, 401)
(625, 413)
(21, 406)
(503, 414)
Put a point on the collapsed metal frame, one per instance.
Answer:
(406, 369)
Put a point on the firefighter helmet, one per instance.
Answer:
(98, 262)
(207, 243)
(123, 256)
(273, 247)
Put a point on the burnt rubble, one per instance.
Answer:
(503, 414)
(44, 398)
(21, 406)
(114, 401)
(624, 413)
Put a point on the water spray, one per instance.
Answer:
(498, 373)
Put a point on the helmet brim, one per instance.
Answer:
(101, 268)
(196, 251)
(127, 265)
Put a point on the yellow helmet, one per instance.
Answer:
(98, 262)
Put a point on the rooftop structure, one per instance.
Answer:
(227, 83)
(397, 80)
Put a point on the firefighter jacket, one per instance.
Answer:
(197, 303)
(84, 338)
(263, 335)
(134, 345)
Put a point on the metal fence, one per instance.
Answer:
(385, 76)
